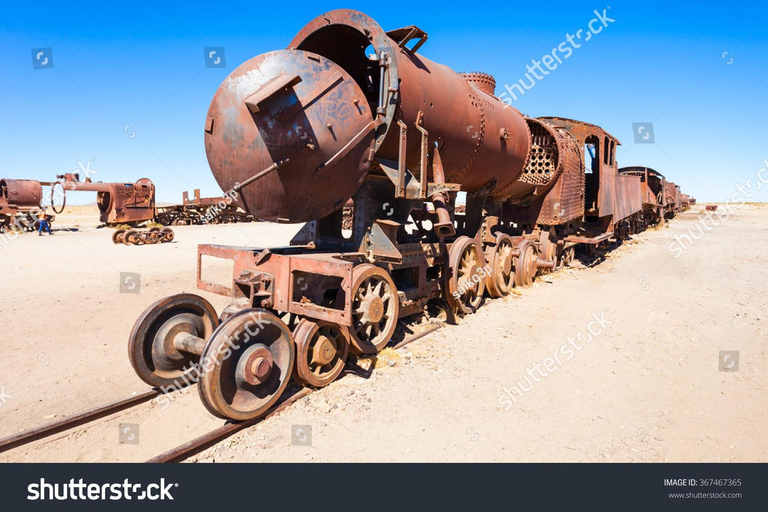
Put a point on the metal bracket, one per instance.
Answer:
(379, 242)
(424, 155)
(404, 35)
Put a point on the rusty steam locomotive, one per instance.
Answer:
(351, 118)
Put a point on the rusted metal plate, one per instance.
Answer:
(601, 179)
(19, 196)
(673, 196)
(479, 137)
(307, 284)
(628, 196)
(311, 136)
(652, 184)
(119, 203)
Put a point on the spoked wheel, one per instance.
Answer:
(117, 236)
(466, 275)
(567, 256)
(501, 279)
(162, 328)
(525, 264)
(246, 365)
(321, 352)
(375, 309)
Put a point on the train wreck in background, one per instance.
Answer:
(119, 204)
(20, 204)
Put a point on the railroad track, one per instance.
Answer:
(81, 418)
(186, 450)
(180, 452)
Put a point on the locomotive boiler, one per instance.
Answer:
(351, 120)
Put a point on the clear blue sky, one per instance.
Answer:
(141, 64)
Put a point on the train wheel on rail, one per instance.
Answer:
(321, 352)
(375, 309)
(500, 259)
(151, 347)
(525, 264)
(466, 275)
(117, 236)
(246, 364)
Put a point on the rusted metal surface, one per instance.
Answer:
(652, 191)
(20, 201)
(321, 352)
(673, 198)
(482, 140)
(353, 132)
(19, 195)
(628, 196)
(466, 122)
(602, 182)
(317, 126)
(551, 189)
(151, 344)
(202, 210)
(245, 379)
(119, 203)
(142, 237)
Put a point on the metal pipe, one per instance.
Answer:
(444, 226)
(186, 342)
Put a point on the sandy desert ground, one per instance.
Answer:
(648, 387)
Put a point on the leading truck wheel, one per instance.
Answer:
(321, 352)
(158, 345)
(246, 365)
(466, 275)
(375, 309)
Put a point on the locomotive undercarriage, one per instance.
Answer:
(335, 291)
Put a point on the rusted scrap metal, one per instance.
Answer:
(369, 151)
(20, 204)
(711, 207)
(653, 196)
(205, 210)
(142, 237)
(119, 203)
